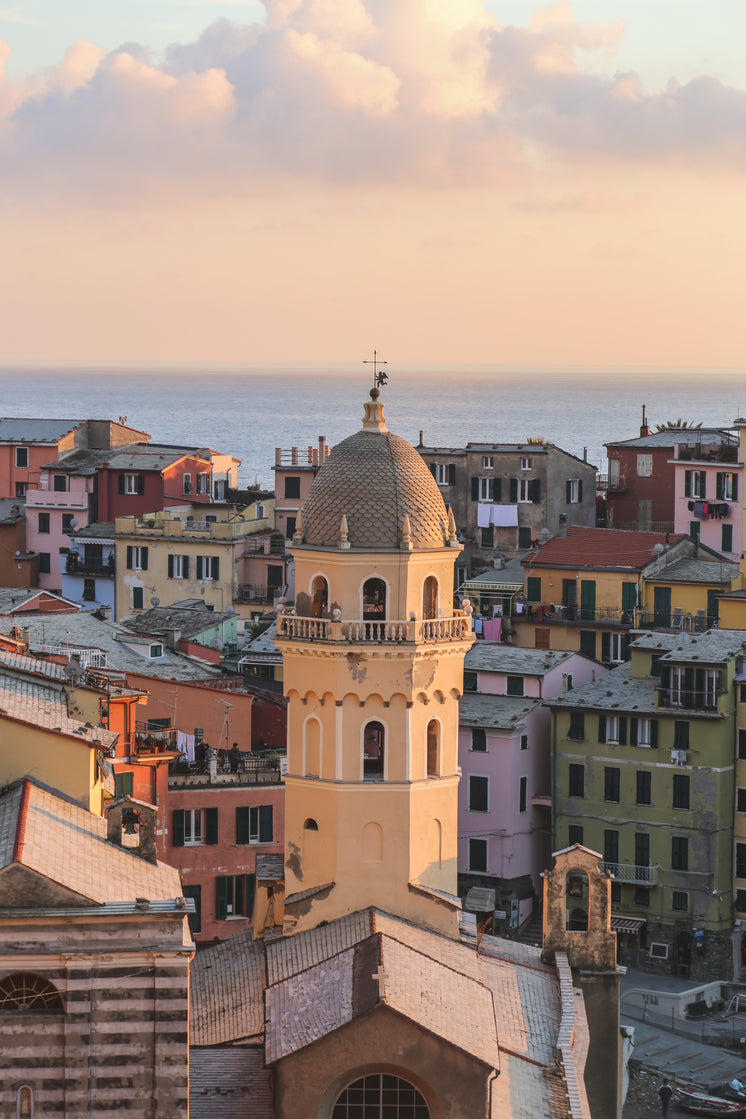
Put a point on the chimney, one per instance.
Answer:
(644, 428)
(103, 613)
(173, 637)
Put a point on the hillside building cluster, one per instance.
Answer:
(396, 766)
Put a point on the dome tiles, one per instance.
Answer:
(375, 479)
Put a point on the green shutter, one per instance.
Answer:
(451, 474)
(433, 469)
(601, 728)
(170, 567)
(211, 825)
(588, 643)
(653, 732)
(199, 567)
(475, 489)
(513, 490)
(121, 483)
(216, 568)
(143, 559)
(185, 566)
(195, 919)
(141, 483)
(221, 897)
(178, 827)
(536, 491)
(533, 588)
(498, 489)
(702, 485)
(633, 732)
(242, 824)
(606, 647)
(580, 490)
(623, 731)
(688, 483)
(250, 891)
(265, 823)
(130, 564)
(629, 596)
(719, 479)
(735, 487)
(122, 784)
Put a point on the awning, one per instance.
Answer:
(626, 924)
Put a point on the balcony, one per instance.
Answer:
(605, 483)
(708, 452)
(257, 592)
(253, 770)
(456, 628)
(76, 566)
(693, 699)
(552, 613)
(628, 872)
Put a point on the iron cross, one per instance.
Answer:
(379, 376)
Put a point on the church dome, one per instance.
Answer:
(381, 486)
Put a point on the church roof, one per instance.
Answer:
(68, 847)
(374, 478)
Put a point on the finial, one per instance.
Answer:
(298, 534)
(406, 534)
(344, 543)
(379, 376)
(452, 537)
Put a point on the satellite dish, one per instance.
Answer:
(73, 522)
(155, 601)
(659, 549)
(230, 608)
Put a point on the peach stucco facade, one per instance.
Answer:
(373, 824)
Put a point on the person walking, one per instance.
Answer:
(665, 1092)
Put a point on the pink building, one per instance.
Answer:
(504, 752)
(295, 470)
(708, 502)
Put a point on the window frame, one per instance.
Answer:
(478, 793)
(643, 787)
(42, 525)
(576, 780)
(21, 458)
(473, 844)
(612, 784)
(515, 685)
(681, 791)
(680, 852)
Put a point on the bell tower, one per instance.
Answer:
(373, 656)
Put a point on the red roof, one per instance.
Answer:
(599, 547)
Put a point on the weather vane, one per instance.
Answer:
(380, 377)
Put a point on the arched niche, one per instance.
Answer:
(430, 598)
(312, 747)
(366, 1096)
(374, 600)
(577, 900)
(23, 990)
(372, 843)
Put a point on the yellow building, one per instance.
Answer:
(373, 666)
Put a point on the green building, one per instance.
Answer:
(643, 770)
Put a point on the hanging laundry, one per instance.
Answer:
(699, 509)
(484, 515)
(493, 629)
(505, 516)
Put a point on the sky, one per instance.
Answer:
(492, 182)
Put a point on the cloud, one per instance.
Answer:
(419, 92)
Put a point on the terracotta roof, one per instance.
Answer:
(599, 547)
(374, 478)
(66, 845)
(45, 705)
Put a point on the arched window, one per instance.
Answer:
(380, 1096)
(373, 750)
(433, 748)
(430, 598)
(310, 824)
(25, 1102)
(577, 890)
(26, 991)
(319, 597)
(374, 600)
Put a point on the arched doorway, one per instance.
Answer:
(319, 597)
(380, 1096)
(373, 750)
(430, 598)
(374, 600)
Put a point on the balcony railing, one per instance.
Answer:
(696, 699)
(643, 526)
(628, 872)
(457, 628)
(257, 592)
(544, 613)
(616, 484)
(251, 771)
(75, 566)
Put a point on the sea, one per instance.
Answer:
(249, 410)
